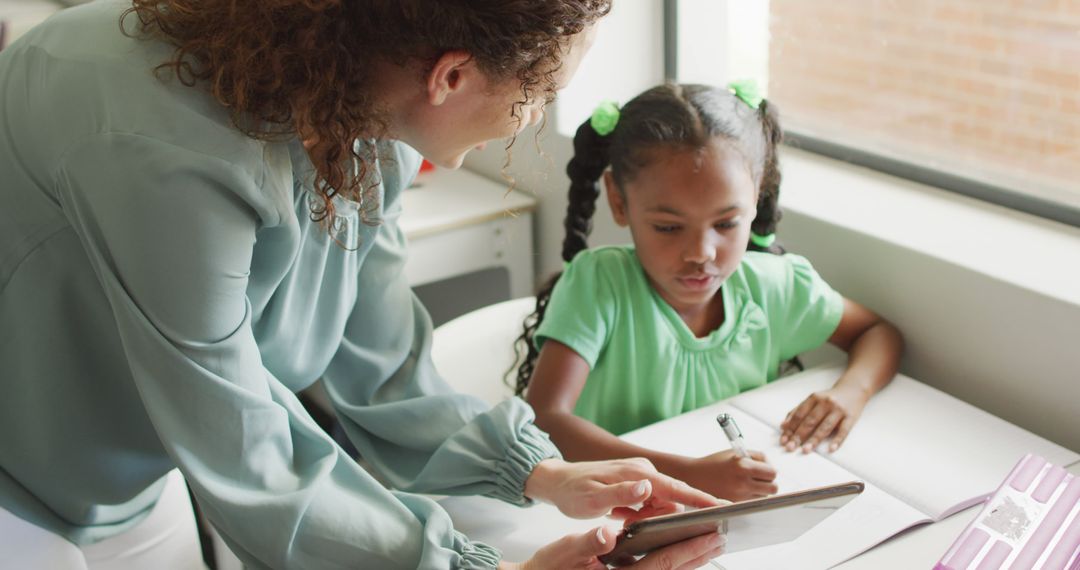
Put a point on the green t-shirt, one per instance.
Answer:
(647, 365)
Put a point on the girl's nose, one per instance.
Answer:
(700, 250)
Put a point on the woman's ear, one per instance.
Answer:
(453, 72)
(615, 199)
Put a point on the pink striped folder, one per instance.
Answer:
(1031, 521)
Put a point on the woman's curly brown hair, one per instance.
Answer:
(280, 64)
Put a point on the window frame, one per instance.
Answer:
(951, 181)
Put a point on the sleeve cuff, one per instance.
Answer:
(476, 555)
(530, 447)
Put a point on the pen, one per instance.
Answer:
(731, 430)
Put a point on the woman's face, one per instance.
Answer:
(479, 110)
(689, 211)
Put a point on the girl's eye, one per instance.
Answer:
(665, 229)
(728, 224)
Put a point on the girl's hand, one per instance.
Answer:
(729, 476)
(830, 412)
(589, 489)
(581, 552)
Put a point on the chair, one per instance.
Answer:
(474, 351)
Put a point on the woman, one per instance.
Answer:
(198, 219)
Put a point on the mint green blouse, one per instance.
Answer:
(163, 294)
(647, 365)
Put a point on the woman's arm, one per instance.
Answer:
(874, 347)
(170, 233)
(406, 421)
(554, 391)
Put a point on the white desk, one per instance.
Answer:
(458, 222)
(520, 532)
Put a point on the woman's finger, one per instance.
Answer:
(653, 510)
(622, 494)
(599, 541)
(576, 550)
(679, 554)
(627, 514)
(702, 560)
(631, 468)
(591, 544)
(669, 489)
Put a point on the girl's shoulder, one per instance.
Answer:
(763, 263)
(615, 268)
(767, 274)
(605, 258)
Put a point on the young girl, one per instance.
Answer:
(686, 316)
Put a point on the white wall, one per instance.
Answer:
(988, 298)
(721, 40)
(626, 58)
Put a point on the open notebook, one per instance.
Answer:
(923, 454)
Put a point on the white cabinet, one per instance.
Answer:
(458, 222)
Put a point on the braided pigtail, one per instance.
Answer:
(585, 169)
(768, 204)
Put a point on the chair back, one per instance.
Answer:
(474, 351)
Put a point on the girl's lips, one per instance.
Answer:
(697, 283)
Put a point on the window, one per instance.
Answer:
(981, 96)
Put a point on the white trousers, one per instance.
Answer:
(166, 539)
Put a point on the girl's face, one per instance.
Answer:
(689, 212)
(464, 109)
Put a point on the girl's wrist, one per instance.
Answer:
(675, 466)
(854, 387)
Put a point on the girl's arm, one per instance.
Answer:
(554, 390)
(874, 347)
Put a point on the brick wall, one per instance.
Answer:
(985, 88)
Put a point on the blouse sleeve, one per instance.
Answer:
(415, 429)
(169, 233)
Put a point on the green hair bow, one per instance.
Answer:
(762, 241)
(747, 90)
(605, 117)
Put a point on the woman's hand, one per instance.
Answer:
(729, 476)
(581, 552)
(831, 412)
(589, 489)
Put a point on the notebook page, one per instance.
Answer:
(929, 449)
(697, 434)
(867, 520)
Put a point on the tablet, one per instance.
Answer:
(748, 524)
